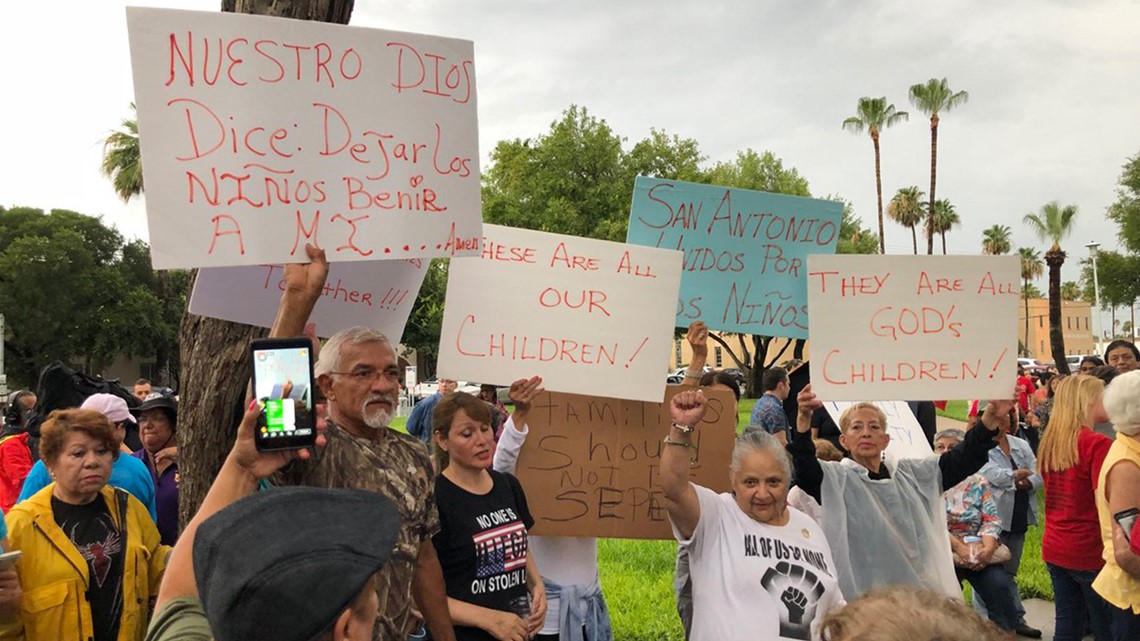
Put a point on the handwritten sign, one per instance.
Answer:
(589, 316)
(744, 251)
(377, 294)
(913, 327)
(907, 438)
(261, 134)
(591, 466)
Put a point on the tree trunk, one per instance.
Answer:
(914, 238)
(162, 351)
(798, 350)
(1054, 258)
(879, 192)
(1025, 297)
(933, 176)
(215, 362)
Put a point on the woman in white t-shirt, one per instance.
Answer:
(760, 569)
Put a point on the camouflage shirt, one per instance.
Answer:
(398, 467)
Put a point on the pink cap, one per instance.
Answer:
(110, 405)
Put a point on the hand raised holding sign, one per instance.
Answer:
(524, 390)
(698, 337)
(807, 404)
(303, 283)
(523, 393)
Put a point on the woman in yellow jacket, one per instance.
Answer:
(1118, 492)
(91, 554)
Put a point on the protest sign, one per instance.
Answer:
(260, 134)
(377, 294)
(907, 438)
(591, 466)
(744, 251)
(913, 327)
(589, 316)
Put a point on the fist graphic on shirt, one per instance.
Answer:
(799, 590)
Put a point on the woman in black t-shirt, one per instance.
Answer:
(494, 590)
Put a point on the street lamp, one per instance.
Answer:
(1093, 247)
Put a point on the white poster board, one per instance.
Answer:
(589, 316)
(260, 134)
(377, 294)
(907, 438)
(913, 327)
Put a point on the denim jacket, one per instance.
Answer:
(999, 473)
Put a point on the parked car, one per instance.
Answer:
(1029, 362)
(427, 388)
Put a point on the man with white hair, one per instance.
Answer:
(358, 375)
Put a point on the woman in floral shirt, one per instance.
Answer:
(975, 531)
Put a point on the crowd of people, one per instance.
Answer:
(380, 534)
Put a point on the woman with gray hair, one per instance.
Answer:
(750, 533)
(1117, 495)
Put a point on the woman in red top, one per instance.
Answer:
(1070, 458)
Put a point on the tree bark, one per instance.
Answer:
(214, 353)
(162, 352)
(1054, 258)
(879, 192)
(933, 177)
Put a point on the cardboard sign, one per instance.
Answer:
(907, 438)
(589, 316)
(260, 134)
(744, 251)
(591, 466)
(377, 294)
(913, 327)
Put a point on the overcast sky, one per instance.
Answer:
(1052, 114)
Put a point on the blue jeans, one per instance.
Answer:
(996, 589)
(1015, 543)
(1074, 597)
(1125, 624)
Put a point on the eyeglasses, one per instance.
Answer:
(367, 375)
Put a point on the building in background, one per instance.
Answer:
(1076, 323)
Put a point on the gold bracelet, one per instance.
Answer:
(669, 441)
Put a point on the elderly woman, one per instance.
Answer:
(1118, 490)
(894, 531)
(1070, 460)
(92, 559)
(158, 419)
(494, 590)
(1013, 478)
(975, 535)
(760, 569)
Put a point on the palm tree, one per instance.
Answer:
(933, 97)
(1031, 269)
(874, 114)
(121, 160)
(1052, 224)
(1070, 290)
(945, 219)
(906, 209)
(995, 240)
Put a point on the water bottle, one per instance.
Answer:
(970, 541)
